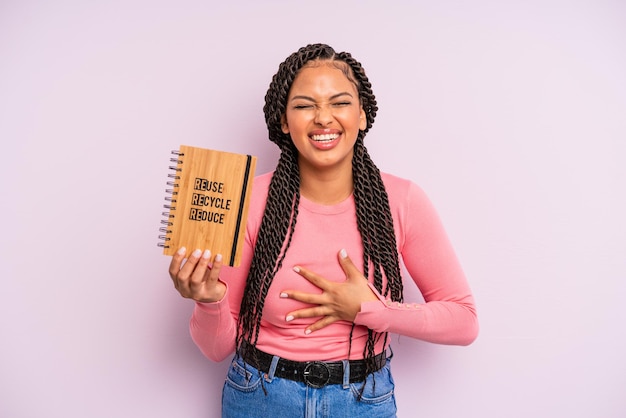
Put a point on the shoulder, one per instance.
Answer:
(398, 187)
(393, 180)
(404, 194)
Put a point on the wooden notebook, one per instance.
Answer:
(208, 199)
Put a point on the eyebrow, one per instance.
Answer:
(334, 96)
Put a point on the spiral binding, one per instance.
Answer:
(167, 223)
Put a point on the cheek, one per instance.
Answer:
(293, 122)
(354, 120)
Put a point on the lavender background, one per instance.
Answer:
(510, 114)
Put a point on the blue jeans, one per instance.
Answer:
(243, 396)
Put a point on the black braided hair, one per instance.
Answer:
(374, 219)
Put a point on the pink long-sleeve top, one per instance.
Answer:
(448, 315)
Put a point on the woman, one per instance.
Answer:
(309, 310)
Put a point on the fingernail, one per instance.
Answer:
(296, 269)
(206, 254)
(289, 318)
(343, 253)
(307, 332)
(284, 295)
(218, 257)
(182, 251)
(196, 253)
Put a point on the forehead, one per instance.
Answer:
(323, 76)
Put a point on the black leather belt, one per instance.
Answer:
(316, 374)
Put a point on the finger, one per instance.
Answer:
(348, 266)
(216, 268)
(317, 280)
(190, 264)
(211, 274)
(177, 260)
(317, 311)
(201, 269)
(310, 298)
(183, 277)
(322, 323)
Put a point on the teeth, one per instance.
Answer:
(326, 137)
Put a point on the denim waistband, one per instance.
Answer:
(316, 374)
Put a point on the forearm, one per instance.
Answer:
(442, 322)
(213, 329)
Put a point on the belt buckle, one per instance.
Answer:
(316, 374)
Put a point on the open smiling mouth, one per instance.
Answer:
(325, 137)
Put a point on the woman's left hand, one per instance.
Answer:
(338, 301)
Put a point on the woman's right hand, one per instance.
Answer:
(194, 278)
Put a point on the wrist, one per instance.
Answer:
(217, 295)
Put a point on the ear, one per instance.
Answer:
(362, 119)
(283, 124)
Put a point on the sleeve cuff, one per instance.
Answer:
(214, 307)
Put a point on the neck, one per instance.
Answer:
(328, 187)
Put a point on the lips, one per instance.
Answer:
(325, 140)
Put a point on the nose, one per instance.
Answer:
(323, 115)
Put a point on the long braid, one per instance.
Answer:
(374, 220)
(375, 223)
(283, 198)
